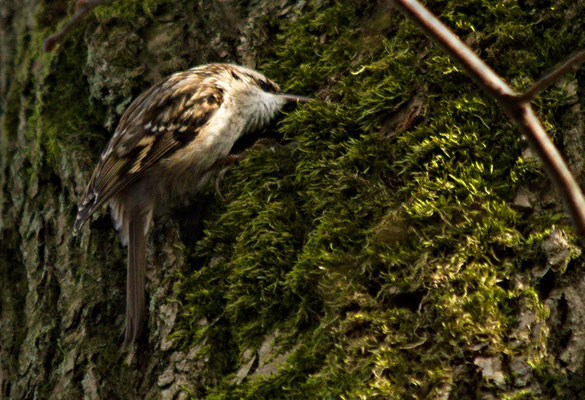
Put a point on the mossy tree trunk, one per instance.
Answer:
(400, 242)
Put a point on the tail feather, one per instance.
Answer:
(135, 303)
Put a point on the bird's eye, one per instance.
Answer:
(266, 86)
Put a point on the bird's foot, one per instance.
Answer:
(226, 163)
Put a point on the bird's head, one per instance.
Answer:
(257, 99)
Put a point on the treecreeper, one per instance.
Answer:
(168, 142)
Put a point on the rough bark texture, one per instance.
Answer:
(400, 242)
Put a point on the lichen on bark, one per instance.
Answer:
(400, 242)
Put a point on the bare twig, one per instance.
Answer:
(546, 81)
(83, 7)
(515, 105)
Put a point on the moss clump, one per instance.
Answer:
(69, 120)
(130, 10)
(60, 118)
(385, 246)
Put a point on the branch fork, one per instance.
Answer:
(515, 105)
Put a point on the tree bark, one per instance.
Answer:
(62, 297)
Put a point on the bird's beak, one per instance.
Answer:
(294, 97)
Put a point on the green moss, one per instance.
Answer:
(129, 10)
(60, 118)
(11, 113)
(387, 255)
(69, 120)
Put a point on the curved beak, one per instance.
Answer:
(294, 97)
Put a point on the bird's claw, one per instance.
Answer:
(233, 158)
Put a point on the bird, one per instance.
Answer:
(169, 142)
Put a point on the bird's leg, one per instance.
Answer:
(226, 163)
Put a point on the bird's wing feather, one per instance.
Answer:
(161, 121)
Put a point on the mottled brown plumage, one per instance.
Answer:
(168, 141)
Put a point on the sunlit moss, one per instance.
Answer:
(384, 254)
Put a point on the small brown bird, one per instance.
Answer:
(169, 141)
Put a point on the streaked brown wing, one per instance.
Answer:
(157, 124)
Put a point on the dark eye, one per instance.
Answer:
(267, 87)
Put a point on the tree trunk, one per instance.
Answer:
(399, 242)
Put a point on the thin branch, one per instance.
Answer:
(464, 56)
(83, 7)
(545, 82)
(515, 105)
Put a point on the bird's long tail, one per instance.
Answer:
(135, 303)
